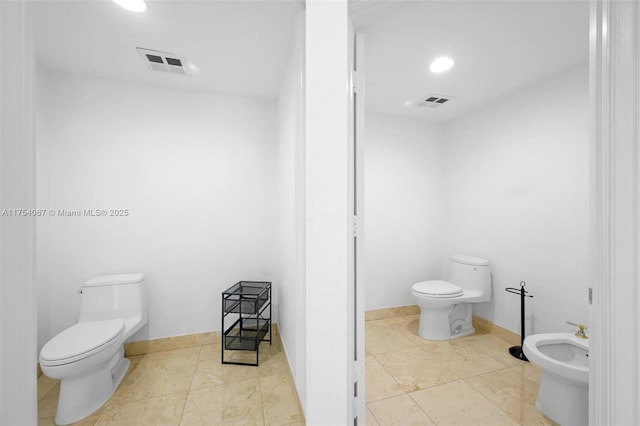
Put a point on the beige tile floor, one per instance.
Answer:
(410, 381)
(468, 381)
(191, 387)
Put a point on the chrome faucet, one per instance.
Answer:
(581, 328)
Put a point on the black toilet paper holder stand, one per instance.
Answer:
(516, 351)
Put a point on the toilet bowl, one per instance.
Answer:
(563, 395)
(446, 306)
(88, 357)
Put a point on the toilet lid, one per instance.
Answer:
(438, 288)
(81, 340)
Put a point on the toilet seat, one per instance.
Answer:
(437, 289)
(81, 340)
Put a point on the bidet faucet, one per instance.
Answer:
(581, 328)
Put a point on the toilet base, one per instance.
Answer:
(445, 323)
(82, 396)
(564, 401)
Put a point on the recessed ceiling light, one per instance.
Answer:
(132, 5)
(441, 64)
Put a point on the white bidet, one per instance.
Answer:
(563, 395)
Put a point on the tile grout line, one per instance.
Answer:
(388, 397)
(390, 375)
(493, 403)
(423, 410)
(121, 402)
(190, 384)
(197, 357)
(463, 379)
(408, 393)
(481, 393)
(396, 380)
(179, 393)
(264, 422)
(374, 416)
(433, 342)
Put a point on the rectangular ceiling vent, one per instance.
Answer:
(434, 101)
(163, 61)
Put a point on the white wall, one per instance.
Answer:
(508, 182)
(197, 173)
(291, 311)
(404, 207)
(328, 310)
(517, 194)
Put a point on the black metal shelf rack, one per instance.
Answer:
(248, 303)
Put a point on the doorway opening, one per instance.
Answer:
(488, 159)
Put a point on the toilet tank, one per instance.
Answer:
(115, 296)
(473, 275)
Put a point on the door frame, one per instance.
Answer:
(18, 302)
(356, 207)
(614, 379)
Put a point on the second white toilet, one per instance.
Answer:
(88, 357)
(445, 306)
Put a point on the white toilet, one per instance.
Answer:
(563, 395)
(445, 306)
(88, 357)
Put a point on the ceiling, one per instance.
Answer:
(498, 46)
(240, 47)
(236, 47)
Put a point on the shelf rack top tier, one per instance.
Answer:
(248, 289)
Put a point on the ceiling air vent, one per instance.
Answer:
(434, 101)
(163, 61)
